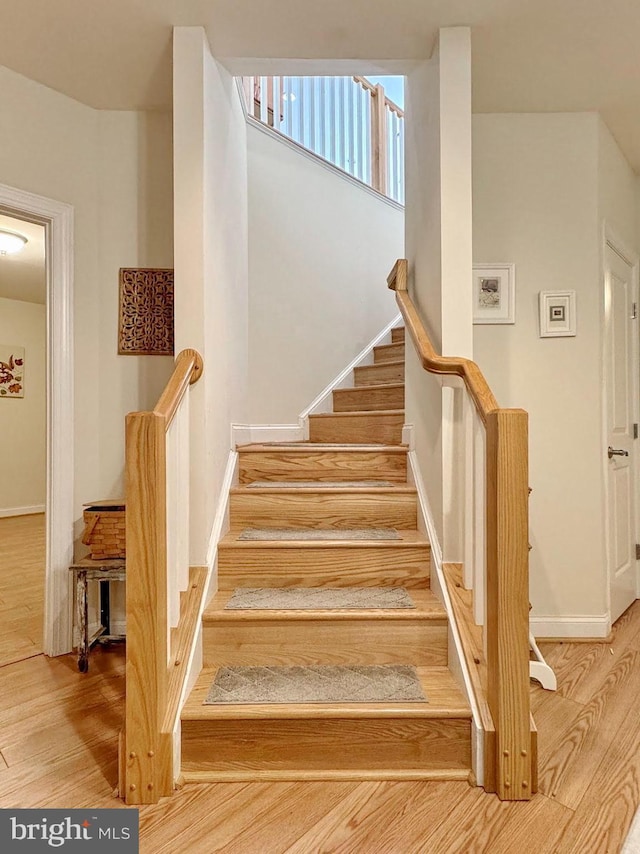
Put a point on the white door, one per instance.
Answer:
(620, 332)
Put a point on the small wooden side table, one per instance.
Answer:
(103, 571)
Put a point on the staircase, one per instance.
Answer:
(350, 476)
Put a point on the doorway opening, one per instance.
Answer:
(56, 220)
(23, 340)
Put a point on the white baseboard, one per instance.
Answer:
(221, 519)
(324, 401)
(22, 511)
(569, 626)
(247, 434)
(426, 522)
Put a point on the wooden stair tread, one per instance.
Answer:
(407, 538)
(372, 386)
(306, 447)
(393, 489)
(428, 607)
(445, 701)
(382, 364)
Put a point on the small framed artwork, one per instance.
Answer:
(557, 314)
(11, 371)
(494, 293)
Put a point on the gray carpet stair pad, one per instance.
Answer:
(318, 598)
(320, 484)
(319, 534)
(384, 683)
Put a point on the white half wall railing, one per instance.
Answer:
(347, 120)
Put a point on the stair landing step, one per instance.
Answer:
(257, 775)
(427, 607)
(445, 700)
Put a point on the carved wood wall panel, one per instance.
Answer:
(146, 312)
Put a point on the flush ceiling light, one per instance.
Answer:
(11, 242)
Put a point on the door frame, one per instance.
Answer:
(57, 219)
(611, 238)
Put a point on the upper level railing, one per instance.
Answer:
(496, 537)
(157, 531)
(347, 120)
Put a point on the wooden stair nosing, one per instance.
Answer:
(333, 775)
(314, 447)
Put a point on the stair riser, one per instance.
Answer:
(397, 336)
(326, 746)
(325, 465)
(306, 642)
(385, 429)
(368, 399)
(388, 353)
(338, 566)
(335, 510)
(373, 374)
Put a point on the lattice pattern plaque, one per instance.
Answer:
(146, 312)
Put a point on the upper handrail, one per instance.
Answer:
(473, 377)
(510, 764)
(187, 370)
(372, 87)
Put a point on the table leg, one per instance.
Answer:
(83, 621)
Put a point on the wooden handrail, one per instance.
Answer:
(147, 750)
(371, 87)
(187, 370)
(509, 759)
(473, 377)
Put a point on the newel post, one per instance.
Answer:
(145, 763)
(507, 593)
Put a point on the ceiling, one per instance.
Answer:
(528, 55)
(23, 276)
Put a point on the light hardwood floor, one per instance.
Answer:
(58, 737)
(21, 587)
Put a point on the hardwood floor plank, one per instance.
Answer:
(254, 817)
(606, 811)
(22, 575)
(576, 753)
(482, 824)
(387, 818)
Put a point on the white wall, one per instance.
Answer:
(536, 204)
(23, 419)
(616, 189)
(438, 248)
(210, 188)
(114, 168)
(320, 250)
